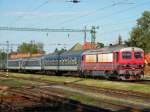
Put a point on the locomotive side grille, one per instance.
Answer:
(131, 65)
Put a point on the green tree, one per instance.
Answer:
(3, 55)
(140, 34)
(99, 45)
(31, 47)
(62, 50)
(120, 42)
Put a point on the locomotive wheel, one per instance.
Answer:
(107, 74)
(113, 75)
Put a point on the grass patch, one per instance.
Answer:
(117, 85)
(83, 99)
(90, 82)
(2, 93)
(44, 77)
(14, 83)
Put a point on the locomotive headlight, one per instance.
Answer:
(141, 66)
(123, 65)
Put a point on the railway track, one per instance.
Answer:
(57, 100)
(46, 94)
(124, 93)
(36, 100)
(91, 88)
(116, 92)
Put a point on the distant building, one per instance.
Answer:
(16, 55)
(76, 47)
(88, 45)
(147, 59)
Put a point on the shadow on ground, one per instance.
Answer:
(58, 105)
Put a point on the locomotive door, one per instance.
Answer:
(116, 59)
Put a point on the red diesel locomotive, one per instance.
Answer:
(125, 63)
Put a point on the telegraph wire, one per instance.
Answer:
(94, 12)
(125, 28)
(34, 9)
(119, 12)
(87, 14)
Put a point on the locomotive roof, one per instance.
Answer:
(109, 49)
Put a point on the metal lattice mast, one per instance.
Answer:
(92, 31)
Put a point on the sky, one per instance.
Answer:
(113, 17)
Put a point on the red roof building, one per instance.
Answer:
(147, 57)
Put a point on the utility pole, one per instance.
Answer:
(85, 35)
(93, 36)
(7, 44)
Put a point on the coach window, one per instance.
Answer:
(71, 61)
(126, 55)
(63, 61)
(59, 61)
(75, 61)
(55, 61)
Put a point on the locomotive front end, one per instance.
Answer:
(131, 64)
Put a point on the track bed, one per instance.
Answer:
(54, 96)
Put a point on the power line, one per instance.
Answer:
(94, 12)
(119, 23)
(45, 29)
(90, 13)
(114, 31)
(34, 9)
(119, 12)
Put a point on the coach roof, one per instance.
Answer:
(113, 48)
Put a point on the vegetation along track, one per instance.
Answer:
(34, 94)
(56, 100)
(117, 92)
(37, 100)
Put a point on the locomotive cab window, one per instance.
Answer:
(138, 55)
(126, 55)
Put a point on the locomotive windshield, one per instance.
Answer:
(138, 55)
(126, 55)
